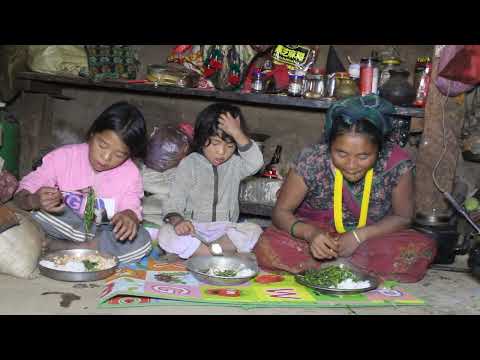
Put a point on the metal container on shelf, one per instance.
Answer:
(315, 84)
(345, 86)
(331, 83)
(390, 63)
(171, 74)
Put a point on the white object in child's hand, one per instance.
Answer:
(98, 215)
(216, 249)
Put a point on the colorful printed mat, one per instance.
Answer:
(153, 283)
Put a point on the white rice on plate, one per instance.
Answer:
(76, 263)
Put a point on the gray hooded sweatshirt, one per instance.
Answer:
(203, 192)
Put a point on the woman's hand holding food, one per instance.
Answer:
(347, 244)
(323, 245)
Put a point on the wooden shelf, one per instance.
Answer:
(45, 83)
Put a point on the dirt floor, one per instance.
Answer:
(446, 292)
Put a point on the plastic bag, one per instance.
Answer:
(296, 57)
(225, 65)
(464, 66)
(275, 75)
(21, 247)
(445, 86)
(58, 59)
(112, 62)
(166, 147)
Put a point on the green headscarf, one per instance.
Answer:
(371, 107)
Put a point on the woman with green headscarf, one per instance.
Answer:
(352, 197)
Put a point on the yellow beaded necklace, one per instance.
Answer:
(337, 200)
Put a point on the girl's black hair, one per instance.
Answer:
(362, 126)
(127, 122)
(206, 125)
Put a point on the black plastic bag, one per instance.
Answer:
(167, 146)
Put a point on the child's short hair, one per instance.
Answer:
(206, 124)
(127, 122)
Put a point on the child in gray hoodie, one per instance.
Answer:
(204, 195)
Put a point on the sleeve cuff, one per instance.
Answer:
(245, 147)
(167, 217)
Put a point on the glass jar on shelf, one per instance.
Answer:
(296, 84)
(345, 86)
(257, 82)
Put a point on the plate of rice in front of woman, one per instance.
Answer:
(337, 279)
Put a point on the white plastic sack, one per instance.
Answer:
(21, 247)
(57, 59)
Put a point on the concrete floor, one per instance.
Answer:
(446, 293)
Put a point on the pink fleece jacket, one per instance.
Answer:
(69, 169)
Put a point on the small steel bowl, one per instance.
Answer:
(76, 276)
(198, 264)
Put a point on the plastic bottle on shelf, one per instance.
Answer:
(369, 74)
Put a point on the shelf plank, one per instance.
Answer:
(235, 96)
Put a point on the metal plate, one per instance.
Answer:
(76, 276)
(363, 276)
(198, 263)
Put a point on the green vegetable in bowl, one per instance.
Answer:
(226, 273)
(90, 265)
(329, 276)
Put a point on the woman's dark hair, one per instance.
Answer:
(362, 126)
(127, 122)
(206, 125)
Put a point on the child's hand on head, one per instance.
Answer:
(230, 125)
(50, 199)
(125, 225)
(184, 227)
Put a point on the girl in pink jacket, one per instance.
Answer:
(56, 192)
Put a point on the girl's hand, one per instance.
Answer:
(347, 244)
(125, 225)
(49, 199)
(323, 246)
(184, 227)
(231, 126)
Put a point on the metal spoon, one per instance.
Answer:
(214, 248)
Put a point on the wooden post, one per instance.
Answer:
(431, 147)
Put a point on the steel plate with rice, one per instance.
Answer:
(78, 265)
(337, 279)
